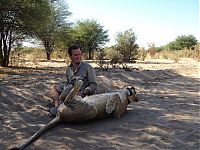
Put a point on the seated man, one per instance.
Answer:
(76, 68)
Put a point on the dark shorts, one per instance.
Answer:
(60, 88)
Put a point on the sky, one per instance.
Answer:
(153, 21)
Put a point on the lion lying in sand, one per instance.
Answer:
(77, 109)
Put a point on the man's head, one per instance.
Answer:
(75, 54)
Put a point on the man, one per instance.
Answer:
(76, 68)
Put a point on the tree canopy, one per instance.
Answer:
(126, 44)
(57, 29)
(183, 41)
(90, 35)
(47, 20)
(19, 17)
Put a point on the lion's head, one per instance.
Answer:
(132, 96)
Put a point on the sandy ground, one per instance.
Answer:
(167, 116)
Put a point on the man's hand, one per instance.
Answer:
(84, 93)
(75, 79)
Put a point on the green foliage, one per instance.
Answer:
(114, 56)
(20, 17)
(115, 59)
(90, 35)
(23, 16)
(159, 49)
(182, 42)
(126, 45)
(57, 31)
(100, 56)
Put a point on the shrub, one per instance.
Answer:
(142, 53)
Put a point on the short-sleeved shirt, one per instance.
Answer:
(86, 71)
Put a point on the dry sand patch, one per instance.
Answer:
(167, 117)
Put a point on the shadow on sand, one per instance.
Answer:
(165, 118)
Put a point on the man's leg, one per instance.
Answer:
(54, 94)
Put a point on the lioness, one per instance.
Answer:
(77, 109)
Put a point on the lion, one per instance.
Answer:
(78, 109)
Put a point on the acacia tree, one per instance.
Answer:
(90, 35)
(126, 45)
(57, 29)
(182, 42)
(19, 17)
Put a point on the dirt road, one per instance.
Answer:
(167, 116)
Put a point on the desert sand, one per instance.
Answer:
(166, 117)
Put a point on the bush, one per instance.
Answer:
(142, 53)
(100, 55)
(114, 56)
(193, 53)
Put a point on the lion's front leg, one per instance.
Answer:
(71, 95)
(112, 102)
(115, 106)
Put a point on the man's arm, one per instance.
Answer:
(69, 75)
(92, 82)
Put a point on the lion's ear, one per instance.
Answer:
(131, 91)
(133, 98)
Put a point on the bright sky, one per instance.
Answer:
(153, 21)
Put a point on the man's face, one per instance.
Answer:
(76, 56)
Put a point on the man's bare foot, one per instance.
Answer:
(47, 95)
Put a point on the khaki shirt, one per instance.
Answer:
(86, 71)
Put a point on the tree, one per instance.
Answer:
(182, 42)
(19, 17)
(90, 35)
(126, 45)
(57, 29)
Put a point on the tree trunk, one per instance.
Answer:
(90, 54)
(48, 48)
(1, 50)
(5, 40)
(9, 47)
(48, 55)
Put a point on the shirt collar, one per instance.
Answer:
(78, 66)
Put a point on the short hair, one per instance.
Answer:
(73, 47)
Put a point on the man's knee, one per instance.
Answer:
(56, 88)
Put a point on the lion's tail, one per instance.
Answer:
(34, 137)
